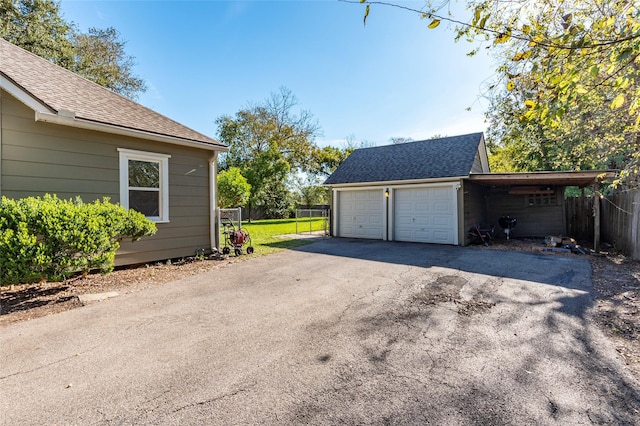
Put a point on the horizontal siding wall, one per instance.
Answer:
(39, 158)
(533, 220)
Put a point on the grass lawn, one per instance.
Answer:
(264, 234)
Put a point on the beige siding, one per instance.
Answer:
(39, 158)
(477, 164)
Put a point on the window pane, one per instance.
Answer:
(144, 174)
(145, 202)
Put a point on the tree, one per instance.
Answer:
(568, 87)
(270, 125)
(325, 160)
(38, 26)
(399, 140)
(568, 79)
(309, 191)
(277, 200)
(267, 142)
(233, 188)
(100, 57)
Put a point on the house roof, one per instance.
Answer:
(429, 159)
(54, 91)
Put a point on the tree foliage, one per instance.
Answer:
(101, 58)
(309, 191)
(98, 55)
(267, 142)
(566, 93)
(270, 126)
(272, 144)
(37, 26)
(400, 140)
(325, 160)
(233, 188)
(568, 88)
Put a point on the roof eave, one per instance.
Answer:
(395, 182)
(68, 120)
(24, 96)
(564, 178)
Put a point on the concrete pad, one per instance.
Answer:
(97, 297)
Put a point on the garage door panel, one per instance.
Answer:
(425, 215)
(403, 235)
(360, 214)
(423, 206)
(442, 237)
(442, 221)
(442, 207)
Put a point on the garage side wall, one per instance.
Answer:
(474, 207)
(40, 158)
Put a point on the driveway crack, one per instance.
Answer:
(58, 361)
(217, 398)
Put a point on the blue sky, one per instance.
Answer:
(392, 78)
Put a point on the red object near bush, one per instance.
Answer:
(238, 238)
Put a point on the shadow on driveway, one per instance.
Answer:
(512, 363)
(508, 264)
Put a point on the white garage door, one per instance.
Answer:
(360, 214)
(425, 215)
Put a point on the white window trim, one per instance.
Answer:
(163, 160)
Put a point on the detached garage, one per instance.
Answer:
(434, 191)
(406, 192)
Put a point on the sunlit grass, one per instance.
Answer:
(264, 233)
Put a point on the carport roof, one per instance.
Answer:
(565, 178)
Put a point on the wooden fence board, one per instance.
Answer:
(621, 220)
(579, 215)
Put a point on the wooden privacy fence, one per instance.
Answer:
(620, 221)
(579, 214)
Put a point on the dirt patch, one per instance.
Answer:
(28, 301)
(616, 282)
(447, 289)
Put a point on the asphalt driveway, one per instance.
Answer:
(337, 332)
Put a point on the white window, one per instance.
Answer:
(144, 183)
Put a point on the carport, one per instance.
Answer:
(536, 199)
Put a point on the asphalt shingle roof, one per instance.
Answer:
(429, 159)
(60, 89)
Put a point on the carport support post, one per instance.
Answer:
(596, 217)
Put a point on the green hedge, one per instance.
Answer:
(46, 238)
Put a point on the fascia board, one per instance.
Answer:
(66, 120)
(396, 182)
(23, 96)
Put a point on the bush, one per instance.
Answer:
(46, 238)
